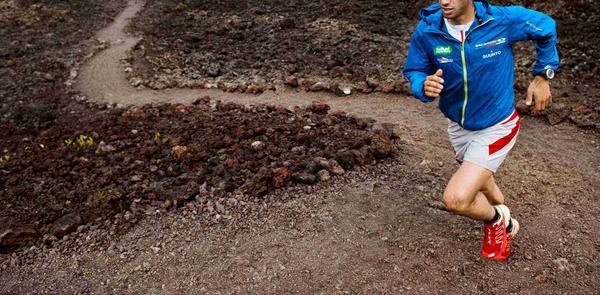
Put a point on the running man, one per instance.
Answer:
(461, 54)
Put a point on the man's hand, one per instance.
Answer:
(434, 84)
(539, 90)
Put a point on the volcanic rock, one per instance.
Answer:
(346, 159)
(318, 107)
(258, 145)
(387, 127)
(319, 86)
(558, 113)
(17, 237)
(381, 143)
(179, 151)
(291, 81)
(65, 225)
(323, 175)
(281, 176)
(305, 178)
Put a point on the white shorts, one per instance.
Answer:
(487, 147)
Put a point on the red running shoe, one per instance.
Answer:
(510, 235)
(495, 239)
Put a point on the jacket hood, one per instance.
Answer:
(432, 15)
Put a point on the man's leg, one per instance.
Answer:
(467, 194)
(492, 192)
(463, 194)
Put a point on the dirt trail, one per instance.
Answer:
(371, 231)
(104, 80)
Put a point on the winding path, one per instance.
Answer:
(103, 79)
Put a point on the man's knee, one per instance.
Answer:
(457, 200)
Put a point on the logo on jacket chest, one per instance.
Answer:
(444, 60)
(492, 54)
(442, 50)
(491, 43)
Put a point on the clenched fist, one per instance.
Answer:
(434, 84)
(539, 91)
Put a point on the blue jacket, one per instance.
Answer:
(479, 73)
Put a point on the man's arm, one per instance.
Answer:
(526, 24)
(418, 67)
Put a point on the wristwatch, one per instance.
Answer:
(548, 74)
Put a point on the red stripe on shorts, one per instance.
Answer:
(511, 118)
(502, 142)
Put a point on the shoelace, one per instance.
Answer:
(498, 233)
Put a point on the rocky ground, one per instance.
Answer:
(215, 197)
(40, 43)
(126, 161)
(66, 164)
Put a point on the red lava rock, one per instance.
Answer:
(202, 100)
(105, 198)
(322, 162)
(363, 87)
(580, 108)
(258, 145)
(330, 165)
(166, 204)
(181, 109)
(281, 176)
(303, 137)
(135, 112)
(318, 107)
(373, 83)
(402, 87)
(323, 175)
(387, 87)
(174, 141)
(387, 127)
(242, 88)
(381, 143)
(335, 168)
(338, 113)
(306, 83)
(291, 81)
(347, 76)
(179, 151)
(319, 86)
(17, 237)
(65, 225)
(305, 178)
(346, 159)
(255, 88)
(221, 86)
(359, 157)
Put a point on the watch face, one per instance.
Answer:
(550, 74)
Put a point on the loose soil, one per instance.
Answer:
(375, 229)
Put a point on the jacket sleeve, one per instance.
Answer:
(526, 24)
(417, 67)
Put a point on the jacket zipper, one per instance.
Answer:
(465, 77)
